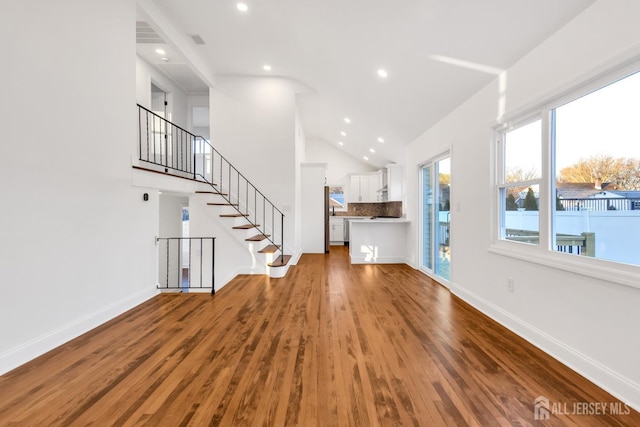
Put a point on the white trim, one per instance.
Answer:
(622, 274)
(613, 382)
(378, 260)
(25, 352)
(565, 91)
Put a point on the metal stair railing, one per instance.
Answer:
(181, 152)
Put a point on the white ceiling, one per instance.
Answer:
(437, 53)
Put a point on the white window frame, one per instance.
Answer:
(501, 133)
(543, 254)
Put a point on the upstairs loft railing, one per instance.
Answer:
(182, 153)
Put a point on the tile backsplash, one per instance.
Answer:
(373, 209)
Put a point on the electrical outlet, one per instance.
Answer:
(510, 284)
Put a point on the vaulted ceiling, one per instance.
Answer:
(437, 53)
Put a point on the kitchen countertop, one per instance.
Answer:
(369, 220)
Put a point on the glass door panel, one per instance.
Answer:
(436, 218)
(427, 218)
(443, 217)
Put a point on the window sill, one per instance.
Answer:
(622, 274)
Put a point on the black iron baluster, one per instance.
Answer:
(194, 158)
(167, 280)
(148, 149)
(153, 137)
(179, 245)
(213, 265)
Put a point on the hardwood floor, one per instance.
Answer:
(329, 345)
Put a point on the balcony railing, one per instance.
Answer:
(582, 244)
(186, 263)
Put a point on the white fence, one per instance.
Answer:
(617, 232)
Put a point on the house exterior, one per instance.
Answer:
(78, 237)
(596, 196)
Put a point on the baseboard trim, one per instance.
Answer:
(36, 347)
(617, 385)
(378, 260)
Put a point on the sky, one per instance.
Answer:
(605, 122)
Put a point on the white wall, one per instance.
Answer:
(199, 125)
(171, 214)
(312, 216)
(300, 146)
(77, 238)
(339, 163)
(588, 323)
(177, 98)
(253, 126)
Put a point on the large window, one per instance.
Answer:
(569, 178)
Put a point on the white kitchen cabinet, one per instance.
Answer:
(354, 189)
(336, 230)
(364, 187)
(394, 183)
(375, 183)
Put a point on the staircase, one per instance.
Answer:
(170, 149)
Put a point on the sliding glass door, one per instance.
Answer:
(435, 193)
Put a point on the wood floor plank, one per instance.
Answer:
(331, 344)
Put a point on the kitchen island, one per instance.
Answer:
(378, 241)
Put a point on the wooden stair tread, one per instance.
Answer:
(269, 249)
(245, 226)
(281, 261)
(170, 172)
(212, 192)
(222, 204)
(235, 215)
(257, 238)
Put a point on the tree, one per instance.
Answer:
(621, 171)
(444, 178)
(518, 174)
(511, 204)
(530, 202)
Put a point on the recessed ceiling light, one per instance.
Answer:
(380, 140)
(160, 51)
(165, 59)
(347, 120)
(340, 143)
(383, 73)
(242, 7)
(365, 157)
(372, 150)
(343, 133)
(266, 67)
